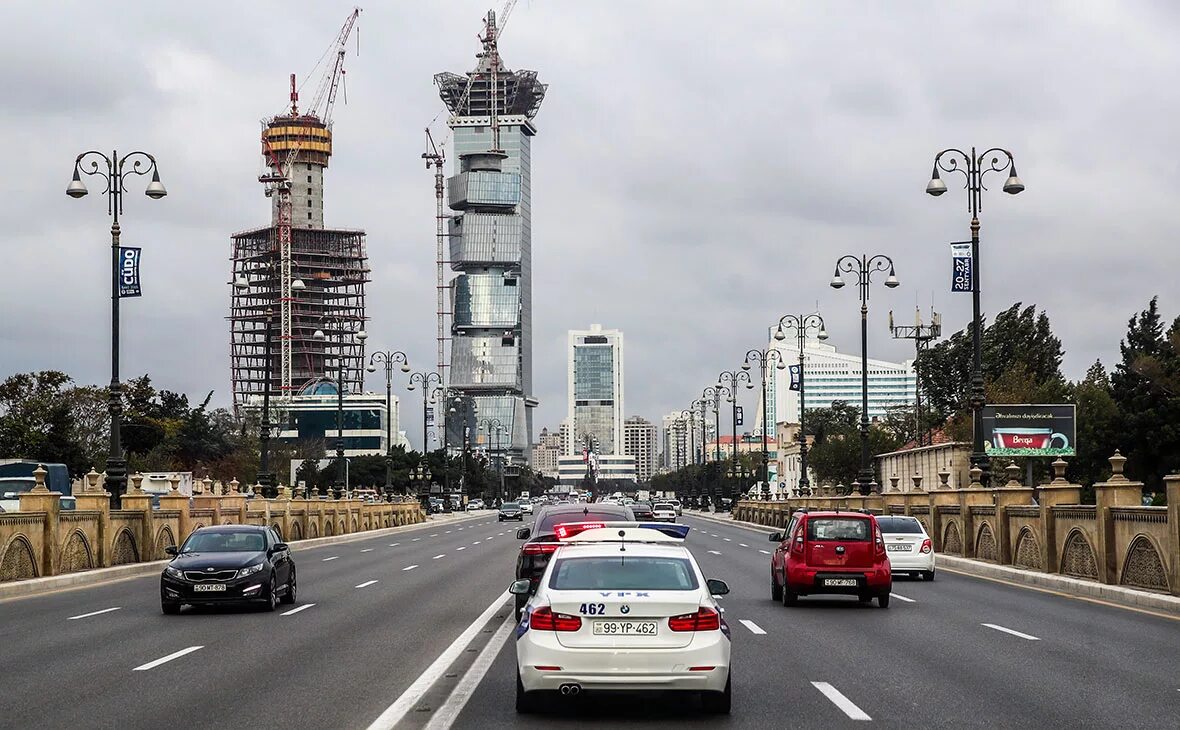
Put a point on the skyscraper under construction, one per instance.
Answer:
(490, 248)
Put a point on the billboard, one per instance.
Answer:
(1029, 430)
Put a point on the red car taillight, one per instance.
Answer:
(540, 548)
(706, 619)
(880, 541)
(544, 619)
(797, 545)
(927, 546)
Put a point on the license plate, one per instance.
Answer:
(900, 548)
(840, 582)
(625, 628)
(212, 587)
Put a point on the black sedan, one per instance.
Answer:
(510, 511)
(643, 511)
(229, 564)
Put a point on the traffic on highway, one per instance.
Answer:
(622, 622)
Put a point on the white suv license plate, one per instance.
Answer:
(900, 548)
(214, 587)
(840, 582)
(625, 628)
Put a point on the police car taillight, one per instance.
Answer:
(567, 530)
(706, 619)
(545, 620)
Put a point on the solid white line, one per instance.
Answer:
(839, 700)
(753, 627)
(93, 613)
(446, 715)
(764, 552)
(461, 548)
(900, 597)
(367, 550)
(366, 584)
(1010, 631)
(409, 567)
(164, 659)
(714, 552)
(436, 557)
(331, 558)
(395, 712)
(304, 607)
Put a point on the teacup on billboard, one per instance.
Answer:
(1029, 430)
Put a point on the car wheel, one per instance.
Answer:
(927, 575)
(289, 596)
(526, 702)
(883, 600)
(776, 591)
(270, 601)
(170, 608)
(790, 598)
(718, 703)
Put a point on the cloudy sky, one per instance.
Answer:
(698, 169)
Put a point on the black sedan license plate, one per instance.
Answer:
(209, 587)
(840, 582)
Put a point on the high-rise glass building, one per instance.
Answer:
(595, 387)
(490, 238)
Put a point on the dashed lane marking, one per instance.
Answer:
(434, 535)
(409, 567)
(304, 607)
(461, 548)
(1013, 632)
(93, 613)
(416, 539)
(743, 544)
(727, 539)
(839, 700)
(764, 552)
(753, 627)
(436, 557)
(366, 584)
(166, 659)
(449, 712)
(447, 532)
(331, 558)
(394, 544)
(714, 552)
(900, 597)
(367, 550)
(477, 542)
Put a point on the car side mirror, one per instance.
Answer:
(523, 533)
(717, 587)
(171, 550)
(776, 537)
(520, 588)
(278, 548)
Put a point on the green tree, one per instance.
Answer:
(37, 421)
(1098, 423)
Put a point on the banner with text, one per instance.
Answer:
(962, 275)
(1029, 429)
(129, 272)
(796, 376)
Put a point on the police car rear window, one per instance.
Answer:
(619, 573)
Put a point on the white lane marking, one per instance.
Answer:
(490, 537)
(764, 552)
(93, 613)
(435, 535)
(409, 567)
(395, 712)
(304, 607)
(477, 542)
(839, 700)
(367, 550)
(727, 539)
(753, 627)
(1011, 631)
(714, 552)
(331, 558)
(436, 557)
(446, 715)
(366, 584)
(900, 597)
(717, 536)
(416, 539)
(460, 528)
(165, 659)
(743, 544)
(447, 532)
(394, 544)
(461, 548)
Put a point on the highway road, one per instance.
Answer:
(413, 629)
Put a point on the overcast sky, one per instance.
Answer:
(698, 168)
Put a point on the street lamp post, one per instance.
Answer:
(801, 323)
(863, 267)
(713, 394)
(141, 164)
(734, 378)
(420, 478)
(389, 358)
(495, 426)
(425, 380)
(764, 358)
(699, 453)
(458, 399)
(360, 335)
(974, 167)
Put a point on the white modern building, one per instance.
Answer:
(830, 376)
(571, 470)
(677, 441)
(641, 440)
(595, 388)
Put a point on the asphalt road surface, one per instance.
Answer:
(413, 630)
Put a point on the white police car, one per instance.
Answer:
(622, 606)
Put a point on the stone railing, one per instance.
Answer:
(1115, 541)
(42, 540)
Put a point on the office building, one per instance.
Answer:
(595, 382)
(609, 468)
(549, 446)
(677, 442)
(641, 440)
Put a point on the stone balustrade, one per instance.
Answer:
(42, 539)
(1116, 541)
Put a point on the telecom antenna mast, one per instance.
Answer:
(922, 335)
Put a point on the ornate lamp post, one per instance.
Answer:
(801, 324)
(389, 358)
(420, 478)
(699, 404)
(459, 403)
(343, 336)
(764, 358)
(738, 472)
(863, 268)
(496, 427)
(732, 379)
(425, 380)
(141, 164)
(712, 395)
(974, 167)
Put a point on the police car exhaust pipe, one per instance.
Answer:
(570, 690)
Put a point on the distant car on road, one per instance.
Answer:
(908, 546)
(510, 511)
(830, 552)
(228, 564)
(676, 504)
(663, 512)
(642, 510)
(475, 504)
(526, 507)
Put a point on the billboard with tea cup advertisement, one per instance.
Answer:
(1029, 430)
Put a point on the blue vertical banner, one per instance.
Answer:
(129, 272)
(796, 376)
(429, 416)
(962, 275)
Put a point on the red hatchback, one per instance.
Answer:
(830, 552)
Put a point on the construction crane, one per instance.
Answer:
(435, 157)
(277, 178)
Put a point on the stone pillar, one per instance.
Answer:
(940, 498)
(973, 496)
(233, 504)
(137, 500)
(1118, 491)
(1011, 494)
(1172, 485)
(1059, 491)
(93, 498)
(40, 499)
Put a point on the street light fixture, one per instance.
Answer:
(974, 167)
(388, 358)
(141, 164)
(764, 358)
(734, 378)
(495, 427)
(802, 323)
(360, 336)
(863, 268)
